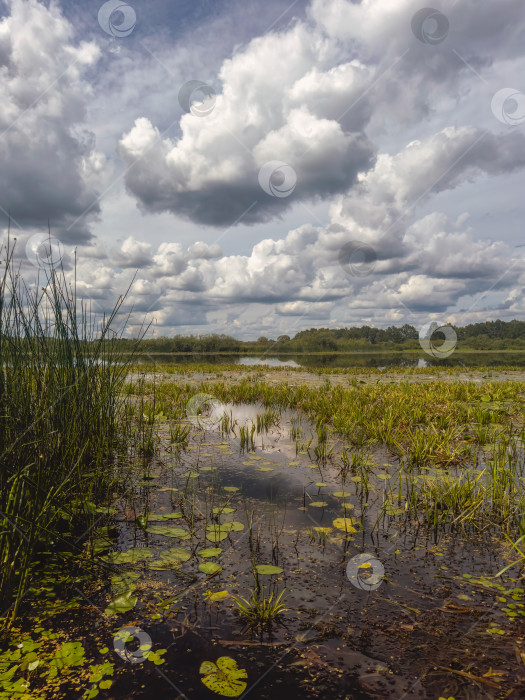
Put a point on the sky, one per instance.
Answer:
(261, 168)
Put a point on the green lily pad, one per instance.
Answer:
(121, 604)
(220, 595)
(210, 567)
(210, 552)
(178, 532)
(318, 504)
(131, 556)
(342, 494)
(219, 510)
(320, 484)
(223, 678)
(268, 569)
(170, 559)
(121, 583)
(153, 517)
(231, 489)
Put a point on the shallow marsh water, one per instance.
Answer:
(423, 632)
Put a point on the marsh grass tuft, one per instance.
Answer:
(62, 420)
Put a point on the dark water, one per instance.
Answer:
(339, 639)
(331, 360)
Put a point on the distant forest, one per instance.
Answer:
(490, 335)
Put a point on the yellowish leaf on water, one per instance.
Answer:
(345, 524)
(224, 678)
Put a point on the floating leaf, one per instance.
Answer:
(210, 567)
(320, 484)
(233, 526)
(219, 510)
(231, 489)
(170, 559)
(178, 532)
(121, 604)
(345, 524)
(264, 469)
(342, 494)
(384, 476)
(163, 516)
(210, 552)
(220, 595)
(318, 504)
(216, 535)
(268, 569)
(131, 556)
(121, 583)
(223, 678)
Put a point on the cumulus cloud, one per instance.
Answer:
(48, 159)
(273, 107)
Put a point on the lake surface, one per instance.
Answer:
(332, 360)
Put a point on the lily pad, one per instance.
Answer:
(216, 535)
(345, 524)
(153, 517)
(131, 556)
(231, 489)
(318, 504)
(224, 678)
(214, 597)
(121, 604)
(210, 552)
(178, 532)
(170, 559)
(210, 567)
(219, 510)
(342, 494)
(268, 569)
(121, 583)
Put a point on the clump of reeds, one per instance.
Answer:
(61, 414)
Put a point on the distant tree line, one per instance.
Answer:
(490, 335)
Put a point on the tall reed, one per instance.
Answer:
(61, 412)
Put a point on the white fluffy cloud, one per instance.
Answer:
(48, 159)
(375, 123)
